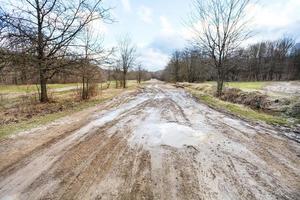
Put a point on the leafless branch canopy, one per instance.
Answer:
(127, 56)
(50, 27)
(219, 27)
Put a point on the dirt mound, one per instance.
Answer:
(255, 100)
(203, 87)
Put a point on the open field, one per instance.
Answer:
(272, 88)
(6, 89)
(23, 111)
(247, 85)
(31, 88)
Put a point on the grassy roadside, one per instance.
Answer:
(70, 106)
(239, 110)
(31, 88)
(258, 85)
(39, 120)
(247, 85)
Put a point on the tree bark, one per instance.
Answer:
(83, 88)
(43, 85)
(124, 79)
(219, 87)
(220, 82)
(116, 83)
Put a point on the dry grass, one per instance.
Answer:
(25, 112)
(258, 85)
(248, 105)
(6, 89)
(240, 110)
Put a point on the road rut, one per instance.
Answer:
(157, 143)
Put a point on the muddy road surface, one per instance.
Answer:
(155, 143)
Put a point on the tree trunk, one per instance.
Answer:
(87, 89)
(220, 82)
(116, 83)
(43, 85)
(124, 79)
(139, 78)
(219, 87)
(83, 88)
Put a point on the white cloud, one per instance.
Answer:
(145, 14)
(126, 5)
(268, 20)
(274, 15)
(153, 59)
(166, 26)
(273, 20)
(155, 55)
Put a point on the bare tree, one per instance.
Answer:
(175, 62)
(296, 64)
(127, 56)
(4, 54)
(109, 76)
(50, 26)
(93, 56)
(117, 75)
(223, 28)
(283, 49)
(139, 75)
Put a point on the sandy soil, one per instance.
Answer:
(157, 143)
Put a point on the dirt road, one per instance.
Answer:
(157, 143)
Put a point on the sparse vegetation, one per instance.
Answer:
(82, 118)
(244, 101)
(240, 110)
(6, 89)
(25, 112)
(258, 85)
(65, 108)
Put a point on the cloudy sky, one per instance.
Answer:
(157, 26)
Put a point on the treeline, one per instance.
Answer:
(219, 29)
(53, 41)
(18, 70)
(263, 61)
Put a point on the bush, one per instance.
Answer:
(89, 92)
(294, 110)
(93, 90)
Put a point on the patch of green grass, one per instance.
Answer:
(6, 89)
(246, 85)
(31, 88)
(254, 85)
(239, 110)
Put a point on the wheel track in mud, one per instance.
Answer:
(233, 161)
